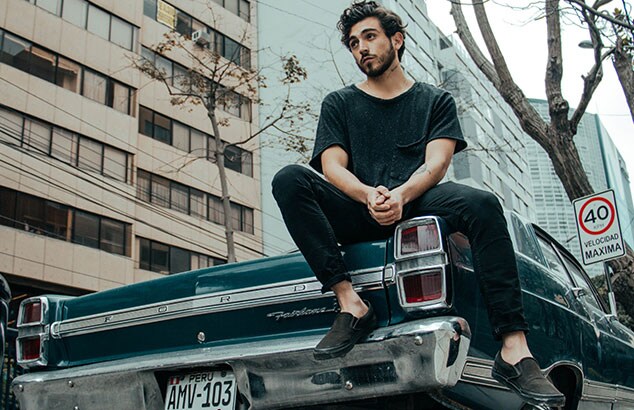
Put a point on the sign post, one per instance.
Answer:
(598, 228)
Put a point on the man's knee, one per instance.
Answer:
(288, 179)
(484, 204)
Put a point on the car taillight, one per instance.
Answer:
(33, 332)
(425, 287)
(30, 348)
(32, 313)
(419, 238)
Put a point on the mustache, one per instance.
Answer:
(367, 56)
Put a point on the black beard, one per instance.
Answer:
(386, 59)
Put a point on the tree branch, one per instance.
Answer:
(530, 120)
(462, 28)
(557, 104)
(597, 13)
(595, 75)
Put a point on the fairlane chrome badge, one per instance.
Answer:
(302, 312)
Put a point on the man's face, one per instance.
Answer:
(373, 51)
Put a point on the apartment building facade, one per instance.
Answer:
(104, 182)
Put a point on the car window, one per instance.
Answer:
(554, 263)
(589, 294)
(525, 239)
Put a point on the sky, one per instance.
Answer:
(522, 39)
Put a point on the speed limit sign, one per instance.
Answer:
(598, 227)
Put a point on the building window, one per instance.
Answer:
(11, 126)
(180, 260)
(181, 136)
(68, 75)
(90, 155)
(121, 33)
(58, 70)
(216, 212)
(115, 163)
(44, 217)
(239, 160)
(15, 52)
(167, 259)
(237, 7)
(149, 8)
(185, 24)
(113, 235)
(64, 145)
(169, 194)
(197, 203)
(86, 229)
(37, 136)
(143, 185)
(52, 6)
(159, 257)
(160, 191)
(75, 12)
(179, 200)
(43, 64)
(95, 86)
(119, 97)
(98, 22)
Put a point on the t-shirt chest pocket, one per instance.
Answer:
(408, 155)
(411, 146)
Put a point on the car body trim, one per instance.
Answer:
(303, 289)
(478, 371)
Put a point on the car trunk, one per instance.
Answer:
(227, 304)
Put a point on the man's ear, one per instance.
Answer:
(397, 40)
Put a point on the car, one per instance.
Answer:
(240, 336)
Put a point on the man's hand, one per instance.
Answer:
(386, 207)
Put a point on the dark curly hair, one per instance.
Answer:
(359, 10)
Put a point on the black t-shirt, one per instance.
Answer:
(386, 139)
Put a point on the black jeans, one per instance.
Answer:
(318, 216)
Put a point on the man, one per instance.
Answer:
(383, 146)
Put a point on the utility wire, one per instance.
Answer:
(155, 158)
(131, 148)
(126, 195)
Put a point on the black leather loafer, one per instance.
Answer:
(345, 332)
(526, 379)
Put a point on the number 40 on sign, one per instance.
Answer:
(598, 228)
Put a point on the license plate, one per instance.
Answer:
(212, 390)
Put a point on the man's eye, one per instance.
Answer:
(371, 36)
(353, 44)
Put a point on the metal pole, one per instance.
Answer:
(608, 283)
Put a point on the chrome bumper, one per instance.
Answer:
(414, 356)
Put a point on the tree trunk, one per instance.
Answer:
(556, 137)
(219, 155)
(623, 65)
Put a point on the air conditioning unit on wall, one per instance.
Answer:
(202, 38)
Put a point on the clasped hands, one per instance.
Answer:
(385, 206)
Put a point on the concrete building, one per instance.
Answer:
(103, 181)
(604, 167)
(496, 159)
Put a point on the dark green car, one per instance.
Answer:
(240, 336)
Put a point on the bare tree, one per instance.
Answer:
(555, 136)
(221, 84)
